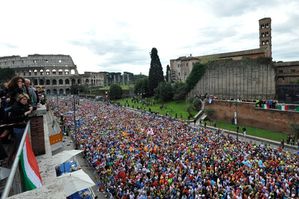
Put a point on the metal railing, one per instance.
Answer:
(11, 177)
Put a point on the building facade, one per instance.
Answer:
(57, 73)
(181, 67)
(285, 76)
(287, 81)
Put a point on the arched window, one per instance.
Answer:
(48, 82)
(67, 81)
(54, 82)
(60, 82)
(67, 91)
(41, 82)
(61, 92)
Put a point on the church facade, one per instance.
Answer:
(243, 69)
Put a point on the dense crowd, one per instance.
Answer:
(142, 155)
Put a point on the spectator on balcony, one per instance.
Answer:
(31, 92)
(15, 87)
(19, 115)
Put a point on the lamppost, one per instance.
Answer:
(236, 120)
(74, 110)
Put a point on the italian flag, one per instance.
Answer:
(30, 169)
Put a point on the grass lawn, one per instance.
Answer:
(277, 136)
(172, 108)
(180, 107)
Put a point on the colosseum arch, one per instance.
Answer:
(66, 72)
(47, 72)
(48, 82)
(48, 92)
(35, 82)
(73, 81)
(60, 81)
(67, 81)
(54, 72)
(60, 72)
(41, 72)
(54, 91)
(79, 81)
(61, 92)
(73, 72)
(35, 72)
(67, 91)
(41, 82)
(54, 82)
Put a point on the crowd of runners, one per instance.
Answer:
(143, 155)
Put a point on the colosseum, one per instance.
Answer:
(58, 72)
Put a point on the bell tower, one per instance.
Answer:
(265, 35)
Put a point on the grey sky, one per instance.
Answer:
(118, 35)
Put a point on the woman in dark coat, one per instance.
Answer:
(19, 115)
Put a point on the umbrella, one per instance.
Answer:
(64, 156)
(4, 173)
(75, 181)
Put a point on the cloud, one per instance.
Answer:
(7, 45)
(118, 35)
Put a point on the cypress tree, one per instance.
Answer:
(168, 74)
(155, 73)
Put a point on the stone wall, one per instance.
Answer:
(238, 79)
(249, 115)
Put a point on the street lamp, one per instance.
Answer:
(74, 110)
(236, 120)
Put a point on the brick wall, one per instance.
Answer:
(274, 120)
(37, 135)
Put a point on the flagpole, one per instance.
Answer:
(15, 163)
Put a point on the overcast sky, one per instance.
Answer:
(117, 35)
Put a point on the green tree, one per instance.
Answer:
(295, 128)
(210, 113)
(115, 92)
(180, 91)
(138, 77)
(197, 72)
(155, 72)
(6, 74)
(141, 87)
(168, 79)
(76, 89)
(164, 91)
